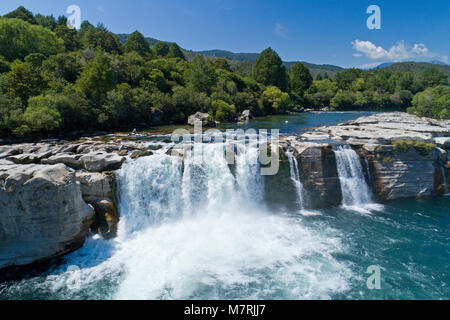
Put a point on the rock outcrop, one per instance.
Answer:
(98, 190)
(401, 151)
(204, 118)
(42, 213)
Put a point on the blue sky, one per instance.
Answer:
(317, 31)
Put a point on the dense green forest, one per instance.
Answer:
(57, 79)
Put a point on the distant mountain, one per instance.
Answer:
(230, 55)
(243, 62)
(415, 67)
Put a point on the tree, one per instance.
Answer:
(300, 79)
(97, 78)
(344, 79)
(201, 75)
(269, 70)
(99, 37)
(136, 42)
(222, 63)
(48, 22)
(223, 111)
(433, 77)
(21, 13)
(176, 52)
(4, 65)
(433, 102)
(19, 38)
(69, 36)
(40, 117)
(23, 81)
(275, 101)
(62, 66)
(319, 77)
(161, 49)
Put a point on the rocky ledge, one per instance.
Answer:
(402, 156)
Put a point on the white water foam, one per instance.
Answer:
(223, 245)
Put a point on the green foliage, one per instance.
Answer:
(201, 75)
(69, 36)
(55, 79)
(300, 79)
(176, 52)
(48, 22)
(97, 78)
(161, 49)
(23, 81)
(99, 37)
(136, 42)
(40, 116)
(19, 38)
(433, 103)
(387, 159)
(223, 111)
(275, 101)
(62, 66)
(269, 70)
(21, 13)
(4, 65)
(422, 147)
(222, 63)
(433, 77)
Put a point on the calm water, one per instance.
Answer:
(296, 122)
(205, 233)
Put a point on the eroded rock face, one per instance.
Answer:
(98, 190)
(42, 213)
(318, 173)
(400, 175)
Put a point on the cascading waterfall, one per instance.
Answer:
(355, 192)
(199, 231)
(295, 177)
(444, 176)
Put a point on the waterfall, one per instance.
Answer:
(355, 192)
(200, 230)
(295, 177)
(444, 176)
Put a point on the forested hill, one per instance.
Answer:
(418, 67)
(57, 79)
(243, 62)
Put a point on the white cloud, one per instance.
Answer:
(400, 51)
(280, 30)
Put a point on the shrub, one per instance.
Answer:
(422, 147)
(223, 110)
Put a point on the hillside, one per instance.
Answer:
(417, 67)
(243, 62)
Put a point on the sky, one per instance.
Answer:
(317, 31)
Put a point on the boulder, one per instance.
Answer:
(42, 213)
(245, 116)
(204, 118)
(102, 161)
(70, 160)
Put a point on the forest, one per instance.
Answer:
(58, 79)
